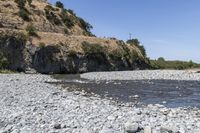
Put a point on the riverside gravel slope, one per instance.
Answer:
(144, 75)
(30, 105)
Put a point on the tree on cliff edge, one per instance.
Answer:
(59, 5)
(137, 44)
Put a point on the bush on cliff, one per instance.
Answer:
(24, 14)
(59, 4)
(3, 62)
(91, 48)
(71, 12)
(116, 55)
(94, 51)
(31, 30)
(51, 16)
(137, 44)
(86, 26)
(67, 20)
(21, 3)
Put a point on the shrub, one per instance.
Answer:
(51, 16)
(59, 4)
(95, 52)
(3, 62)
(161, 59)
(85, 25)
(126, 50)
(72, 53)
(29, 2)
(23, 14)
(31, 30)
(21, 3)
(24, 37)
(137, 44)
(71, 12)
(90, 48)
(42, 45)
(115, 55)
(66, 19)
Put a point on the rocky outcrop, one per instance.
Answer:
(48, 59)
(56, 59)
(52, 59)
(14, 51)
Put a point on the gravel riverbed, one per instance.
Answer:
(28, 104)
(144, 75)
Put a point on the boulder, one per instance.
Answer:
(131, 127)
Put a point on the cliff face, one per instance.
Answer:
(62, 47)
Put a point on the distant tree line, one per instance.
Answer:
(161, 63)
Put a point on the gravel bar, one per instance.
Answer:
(28, 104)
(144, 75)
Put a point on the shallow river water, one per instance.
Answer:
(169, 93)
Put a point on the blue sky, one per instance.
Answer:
(167, 28)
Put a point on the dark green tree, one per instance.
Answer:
(59, 5)
(86, 26)
(161, 59)
(134, 41)
(137, 44)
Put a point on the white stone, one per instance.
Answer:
(131, 127)
(147, 129)
(106, 130)
(85, 130)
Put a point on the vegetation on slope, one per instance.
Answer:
(17, 14)
(138, 45)
(23, 13)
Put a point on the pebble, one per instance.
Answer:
(165, 111)
(112, 118)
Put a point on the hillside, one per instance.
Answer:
(43, 16)
(38, 36)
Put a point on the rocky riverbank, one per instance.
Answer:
(29, 104)
(144, 75)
